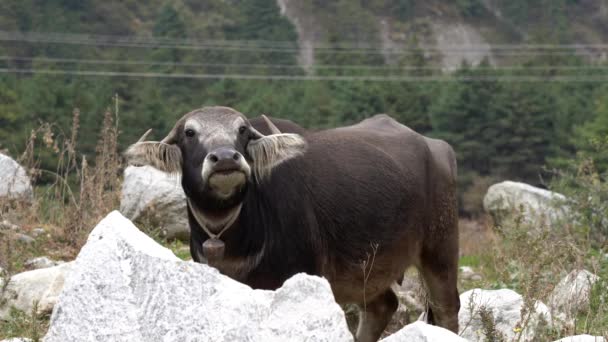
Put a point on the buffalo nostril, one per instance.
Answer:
(213, 158)
(236, 156)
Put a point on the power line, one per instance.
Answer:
(285, 66)
(535, 79)
(42, 36)
(149, 42)
(148, 63)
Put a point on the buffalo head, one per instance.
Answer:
(218, 153)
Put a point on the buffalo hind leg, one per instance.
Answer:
(444, 303)
(375, 316)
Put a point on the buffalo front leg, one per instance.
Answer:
(375, 316)
(440, 279)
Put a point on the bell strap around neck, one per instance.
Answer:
(198, 216)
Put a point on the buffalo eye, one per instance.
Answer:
(242, 129)
(190, 133)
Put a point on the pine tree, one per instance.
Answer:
(169, 23)
(591, 138)
(523, 131)
(463, 115)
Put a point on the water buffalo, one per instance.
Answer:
(356, 205)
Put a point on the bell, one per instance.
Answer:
(213, 250)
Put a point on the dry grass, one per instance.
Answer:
(22, 324)
(475, 236)
(78, 193)
(532, 258)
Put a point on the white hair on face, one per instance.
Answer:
(162, 156)
(193, 124)
(245, 166)
(207, 168)
(215, 133)
(272, 150)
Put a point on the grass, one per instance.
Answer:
(469, 260)
(179, 248)
(531, 258)
(21, 324)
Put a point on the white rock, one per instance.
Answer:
(468, 273)
(474, 46)
(422, 332)
(9, 226)
(582, 338)
(38, 286)
(505, 306)
(126, 287)
(400, 318)
(23, 238)
(466, 270)
(157, 197)
(41, 262)
(571, 295)
(411, 301)
(411, 293)
(36, 232)
(536, 206)
(14, 182)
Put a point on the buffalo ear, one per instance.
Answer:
(268, 151)
(162, 155)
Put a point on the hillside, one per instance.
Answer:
(447, 31)
(450, 31)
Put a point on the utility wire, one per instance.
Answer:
(149, 40)
(135, 42)
(284, 66)
(310, 78)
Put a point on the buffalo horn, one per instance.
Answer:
(273, 128)
(143, 137)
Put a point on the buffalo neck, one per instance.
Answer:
(278, 225)
(215, 225)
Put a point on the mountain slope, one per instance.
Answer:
(449, 32)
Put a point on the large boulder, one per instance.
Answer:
(422, 332)
(572, 293)
(14, 182)
(156, 198)
(38, 288)
(502, 309)
(126, 287)
(536, 206)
